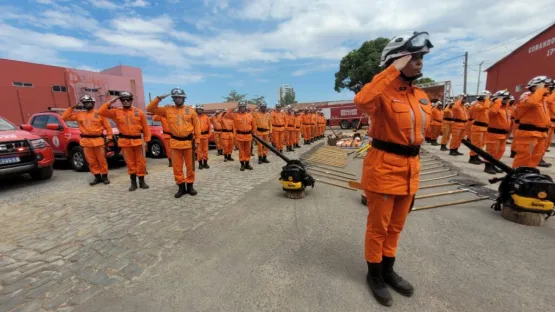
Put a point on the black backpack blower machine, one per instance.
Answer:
(293, 178)
(523, 189)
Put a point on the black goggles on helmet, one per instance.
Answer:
(418, 41)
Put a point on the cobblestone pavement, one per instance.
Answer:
(62, 241)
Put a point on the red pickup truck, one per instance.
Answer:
(64, 136)
(22, 152)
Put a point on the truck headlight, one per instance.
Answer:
(38, 143)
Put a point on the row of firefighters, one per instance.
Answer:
(187, 130)
(490, 121)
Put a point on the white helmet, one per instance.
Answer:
(539, 79)
(87, 98)
(482, 96)
(417, 42)
(199, 106)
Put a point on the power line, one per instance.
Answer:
(448, 60)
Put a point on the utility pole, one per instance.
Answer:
(479, 73)
(465, 70)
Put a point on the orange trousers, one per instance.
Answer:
(180, 156)
(261, 149)
(202, 149)
(167, 147)
(428, 133)
(436, 131)
(515, 127)
(227, 145)
(456, 137)
(291, 137)
(297, 135)
(549, 138)
(217, 138)
(468, 132)
(478, 139)
(529, 151)
(278, 137)
(135, 160)
(446, 130)
(307, 135)
(96, 157)
(386, 218)
(495, 147)
(244, 150)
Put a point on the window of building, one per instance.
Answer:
(22, 84)
(518, 88)
(113, 92)
(91, 89)
(39, 121)
(59, 88)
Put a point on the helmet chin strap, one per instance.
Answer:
(410, 79)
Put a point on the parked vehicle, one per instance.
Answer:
(344, 115)
(64, 137)
(23, 152)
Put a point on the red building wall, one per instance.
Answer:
(534, 58)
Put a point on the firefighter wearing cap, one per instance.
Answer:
(400, 113)
(290, 128)
(277, 118)
(243, 125)
(460, 118)
(92, 126)
(499, 117)
(205, 133)
(321, 124)
(298, 127)
(531, 134)
(515, 118)
(216, 122)
(227, 137)
(263, 130)
(314, 124)
(166, 135)
(185, 127)
(435, 123)
(307, 131)
(447, 125)
(480, 115)
(131, 123)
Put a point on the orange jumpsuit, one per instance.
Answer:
(321, 125)
(307, 131)
(400, 114)
(205, 132)
(263, 130)
(551, 108)
(435, 124)
(166, 134)
(447, 125)
(216, 122)
(290, 128)
(131, 123)
(531, 135)
(498, 130)
(91, 125)
(278, 129)
(314, 125)
(459, 124)
(243, 125)
(480, 124)
(298, 126)
(515, 118)
(227, 135)
(468, 125)
(185, 127)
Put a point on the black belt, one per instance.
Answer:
(224, 130)
(481, 124)
(552, 119)
(132, 137)
(497, 131)
(90, 136)
(459, 120)
(205, 132)
(448, 119)
(528, 127)
(297, 127)
(217, 130)
(244, 132)
(512, 118)
(517, 121)
(398, 149)
(437, 120)
(187, 138)
(262, 129)
(278, 126)
(164, 132)
(308, 124)
(470, 119)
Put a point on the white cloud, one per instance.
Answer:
(136, 3)
(88, 68)
(173, 79)
(44, 1)
(160, 24)
(313, 69)
(103, 4)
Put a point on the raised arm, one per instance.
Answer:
(146, 128)
(105, 110)
(153, 106)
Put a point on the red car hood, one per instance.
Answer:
(14, 135)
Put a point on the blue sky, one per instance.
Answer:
(209, 47)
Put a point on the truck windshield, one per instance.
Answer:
(6, 125)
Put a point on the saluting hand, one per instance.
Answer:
(112, 101)
(402, 62)
(161, 97)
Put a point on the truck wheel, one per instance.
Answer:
(77, 159)
(156, 149)
(42, 173)
(344, 124)
(354, 124)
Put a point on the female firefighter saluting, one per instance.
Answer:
(400, 113)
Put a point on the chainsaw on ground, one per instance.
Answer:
(293, 175)
(522, 189)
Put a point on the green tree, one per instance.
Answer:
(234, 96)
(257, 100)
(359, 66)
(288, 98)
(423, 80)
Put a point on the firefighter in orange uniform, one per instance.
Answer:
(470, 113)
(243, 125)
(307, 131)
(185, 127)
(435, 122)
(479, 128)
(290, 128)
(447, 125)
(131, 123)
(314, 126)
(460, 118)
(531, 134)
(499, 117)
(515, 117)
(166, 135)
(263, 130)
(227, 138)
(216, 122)
(298, 127)
(277, 118)
(322, 123)
(400, 113)
(205, 133)
(428, 133)
(551, 107)
(91, 125)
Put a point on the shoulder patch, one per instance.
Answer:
(187, 111)
(424, 101)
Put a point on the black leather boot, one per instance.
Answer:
(490, 168)
(259, 160)
(247, 165)
(428, 140)
(453, 152)
(170, 162)
(142, 183)
(105, 179)
(434, 143)
(133, 182)
(97, 180)
(475, 160)
(265, 160)
(513, 154)
(544, 164)
(190, 190)
(377, 284)
(206, 165)
(181, 191)
(200, 165)
(393, 279)
(443, 148)
(219, 152)
(229, 157)
(242, 166)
